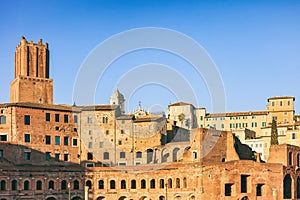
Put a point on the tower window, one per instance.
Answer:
(27, 119)
(75, 118)
(27, 138)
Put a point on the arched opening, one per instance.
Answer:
(192, 197)
(122, 198)
(143, 184)
(100, 198)
(76, 185)
(184, 183)
(177, 183)
(51, 198)
(14, 185)
(245, 198)
(123, 184)
(164, 155)
(175, 156)
(89, 184)
(161, 198)
(143, 198)
(39, 185)
(100, 184)
(287, 187)
(3, 185)
(112, 184)
(133, 184)
(26, 185)
(51, 185)
(63, 185)
(76, 198)
(152, 184)
(149, 155)
(161, 183)
(170, 183)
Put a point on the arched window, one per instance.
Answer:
(112, 184)
(51, 185)
(143, 184)
(26, 185)
(287, 189)
(161, 183)
(63, 185)
(152, 184)
(184, 183)
(175, 156)
(89, 184)
(76, 185)
(3, 185)
(100, 184)
(123, 184)
(39, 185)
(90, 156)
(170, 183)
(14, 185)
(177, 183)
(133, 184)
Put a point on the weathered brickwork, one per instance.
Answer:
(56, 152)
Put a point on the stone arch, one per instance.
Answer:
(89, 184)
(287, 187)
(161, 198)
(245, 198)
(122, 198)
(143, 198)
(164, 155)
(191, 197)
(51, 198)
(175, 154)
(76, 198)
(101, 198)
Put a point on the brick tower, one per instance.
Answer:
(31, 82)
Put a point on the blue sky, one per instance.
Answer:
(254, 44)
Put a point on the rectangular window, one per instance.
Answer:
(138, 154)
(74, 142)
(27, 155)
(75, 119)
(120, 142)
(48, 117)
(101, 144)
(244, 183)
(105, 155)
(66, 157)
(66, 118)
(2, 119)
(57, 157)
(56, 117)
(201, 118)
(48, 155)
(27, 138)
(27, 119)
(273, 103)
(122, 154)
(57, 140)
(66, 140)
(228, 189)
(90, 120)
(90, 132)
(48, 139)
(1, 153)
(90, 145)
(3, 137)
(280, 103)
(289, 103)
(293, 136)
(264, 124)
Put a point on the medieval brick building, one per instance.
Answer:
(50, 151)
